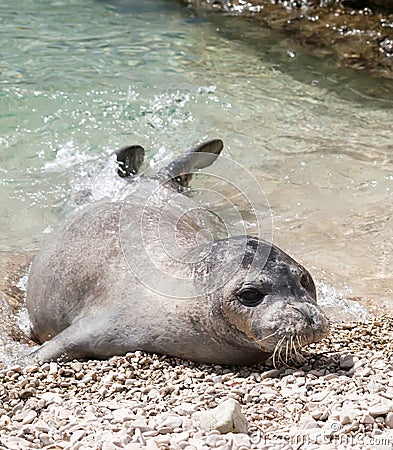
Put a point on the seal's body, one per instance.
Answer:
(140, 274)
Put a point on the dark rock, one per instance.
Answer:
(356, 33)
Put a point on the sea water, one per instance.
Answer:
(82, 78)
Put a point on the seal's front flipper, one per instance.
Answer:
(199, 157)
(129, 160)
(87, 337)
(52, 350)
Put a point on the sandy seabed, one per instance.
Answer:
(340, 397)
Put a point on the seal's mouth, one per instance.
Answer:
(305, 324)
(285, 348)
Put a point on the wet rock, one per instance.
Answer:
(347, 31)
(381, 5)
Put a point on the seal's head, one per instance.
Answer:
(269, 300)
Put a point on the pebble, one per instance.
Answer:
(172, 422)
(109, 446)
(347, 361)
(77, 436)
(162, 439)
(215, 440)
(185, 408)
(269, 374)
(389, 420)
(142, 401)
(367, 419)
(317, 414)
(379, 410)
(241, 440)
(53, 368)
(140, 425)
(344, 419)
(226, 417)
(122, 415)
(45, 439)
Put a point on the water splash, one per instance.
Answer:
(337, 306)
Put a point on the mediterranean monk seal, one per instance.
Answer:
(151, 273)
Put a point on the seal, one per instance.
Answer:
(151, 273)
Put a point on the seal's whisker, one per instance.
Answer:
(259, 341)
(274, 356)
(276, 353)
(299, 340)
(300, 358)
(280, 349)
(287, 350)
(285, 358)
(292, 347)
(281, 355)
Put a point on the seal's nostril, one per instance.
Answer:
(305, 314)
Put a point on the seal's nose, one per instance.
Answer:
(315, 318)
(305, 314)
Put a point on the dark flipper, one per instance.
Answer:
(129, 160)
(199, 157)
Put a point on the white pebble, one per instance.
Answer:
(389, 420)
(77, 436)
(53, 368)
(29, 417)
(225, 418)
(379, 410)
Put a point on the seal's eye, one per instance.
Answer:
(250, 297)
(305, 282)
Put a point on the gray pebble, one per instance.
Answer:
(347, 361)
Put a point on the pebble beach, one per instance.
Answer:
(339, 397)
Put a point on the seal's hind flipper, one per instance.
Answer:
(129, 160)
(199, 157)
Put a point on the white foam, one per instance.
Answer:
(337, 306)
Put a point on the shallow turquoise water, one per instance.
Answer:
(82, 78)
